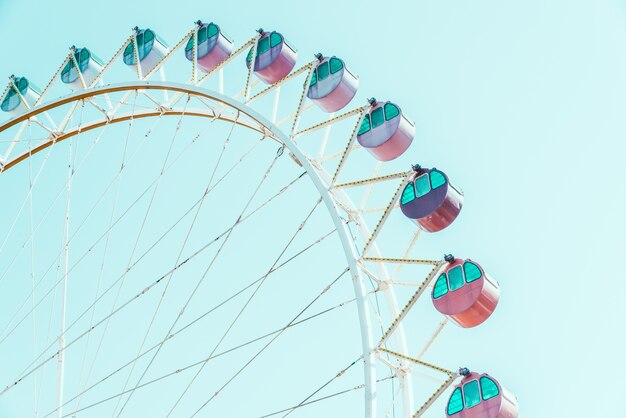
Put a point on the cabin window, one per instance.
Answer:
(441, 286)
(471, 394)
(128, 53)
(377, 117)
(365, 126)
(22, 85)
(148, 36)
(11, 100)
(455, 275)
(202, 36)
(455, 404)
(84, 56)
(190, 44)
(391, 111)
(437, 179)
(263, 46)
(275, 39)
(408, 194)
(313, 78)
(335, 65)
(69, 73)
(145, 40)
(488, 388)
(472, 272)
(322, 71)
(12, 92)
(212, 30)
(422, 185)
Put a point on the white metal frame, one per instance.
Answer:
(332, 193)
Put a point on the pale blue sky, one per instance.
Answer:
(522, 102)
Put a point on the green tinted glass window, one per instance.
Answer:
(11, 100)
(148, 36)
(377, 117)
(455, 275)
(128, 53)
(471, 393)
(66, 74)
(422, 185)
(202, 35)
(391, 111)
(455, 404)
(212, 30)
(189, 44)
(249, 57)
(313, 78)
(263, 46)
(22, 85)
(82, 56)
(441, 286)
(322, 71)
(69, 73)
(365, 126)
(472, 271)
(437, 179)
(275, 39)
(145, 40)
(408, 194)
(488, 388)
(335, 65)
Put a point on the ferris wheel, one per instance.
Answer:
(207, 229)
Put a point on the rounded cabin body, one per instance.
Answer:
(275, 58)
(20, 93)
(430, 200)
(465, 293)
(332, 86)
(89, 66)
(213, 47)
(385, 132)
(481, 396)
(150, 48)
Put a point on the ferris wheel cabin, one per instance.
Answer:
(275, 58)
(481, 396)
(150, 48)
(332, 86)
(213, 46)
(465, 293)
(385, 132)
(20, 95)
(430, 200)
(89, 66)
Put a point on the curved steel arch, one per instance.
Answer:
(264, 125)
